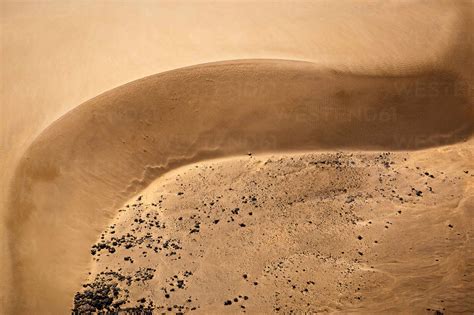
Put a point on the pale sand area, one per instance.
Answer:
(52, 60)
(364, 232)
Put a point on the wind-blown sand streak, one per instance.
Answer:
(89, 162)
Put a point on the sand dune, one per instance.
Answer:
(120, 141)
(392, 76)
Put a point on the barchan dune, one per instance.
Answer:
(106, 150)
(71, 180)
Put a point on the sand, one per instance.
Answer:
(371, 232)
(395, 76)
(120, 141)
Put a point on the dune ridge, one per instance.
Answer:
(85, 165)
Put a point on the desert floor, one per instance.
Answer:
(372, 232)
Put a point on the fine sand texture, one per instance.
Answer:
(346, 75)
(52, 61)
(372, 232)
(108, 149)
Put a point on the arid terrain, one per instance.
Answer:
(223, 157)
(363, 232)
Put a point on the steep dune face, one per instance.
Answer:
(100, 154)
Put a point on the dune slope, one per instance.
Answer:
(97, 156)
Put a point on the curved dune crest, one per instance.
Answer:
(100, 154)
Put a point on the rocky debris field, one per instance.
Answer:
(315, 232)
